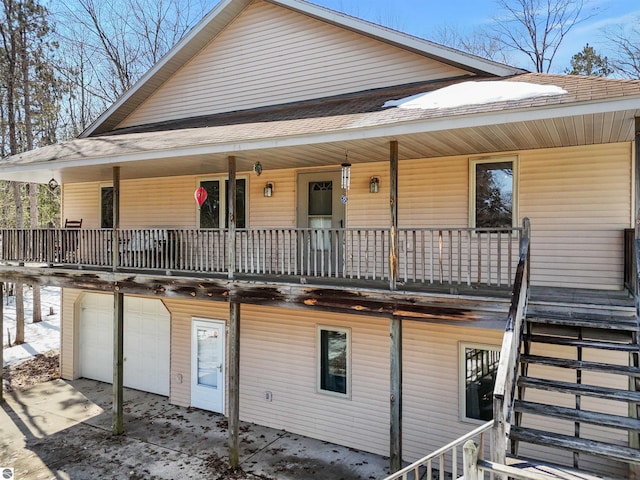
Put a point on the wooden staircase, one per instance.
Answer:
(578, 390)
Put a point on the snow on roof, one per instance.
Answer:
(475, 93)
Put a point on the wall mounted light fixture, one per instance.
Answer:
(374, 185)
(53, 184)
(268, 189)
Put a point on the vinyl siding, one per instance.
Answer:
(279, 210)
(82, 201)
(577, 198)
(433, 192)
(431, 391)
(270, 55)
(278, 354)
(69, 334)
(152, 202)
(579, 203)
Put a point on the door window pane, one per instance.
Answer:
(106, 207)
(494, 194)
(210, 210)
(208, 360)
(334, 360)
(216, 203)
(320, 198)
(241, 208)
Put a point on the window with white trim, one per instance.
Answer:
(334, 360)
(493, 192)
(478, 369)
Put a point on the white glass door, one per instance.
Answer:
(207, 364)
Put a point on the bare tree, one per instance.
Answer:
(624, 41)
(536, 28)
(114, 43)
(27, 83)
(478, 42)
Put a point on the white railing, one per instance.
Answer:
(454, 256)
(444, 459)
(476, 468)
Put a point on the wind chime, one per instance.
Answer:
(346, 177)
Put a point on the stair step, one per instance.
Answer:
(587, 333)
(579, 389)
(583, 416)
(617, 452)
(552, 470)
(581, 365)
(586, 320)
(575, 342)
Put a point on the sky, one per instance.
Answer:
(423, 18)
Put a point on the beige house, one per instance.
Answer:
(274, 301)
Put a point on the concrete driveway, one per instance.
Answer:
(62, 430)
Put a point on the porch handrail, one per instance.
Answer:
(475, 467)
(452, 449)
(441, 256)
(504, 391)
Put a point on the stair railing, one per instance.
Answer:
(436, 461)
(504, 392)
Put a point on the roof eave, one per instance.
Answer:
(378, 131)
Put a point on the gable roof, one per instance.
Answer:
(227, 10)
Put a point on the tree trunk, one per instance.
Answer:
(19, 314)
(19, 287)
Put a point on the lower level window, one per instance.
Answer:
(334, 360)
(479, 368)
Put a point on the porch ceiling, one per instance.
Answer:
(190, 152)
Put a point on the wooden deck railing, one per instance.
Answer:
(504, 391)
(462, 256)
(445, 459)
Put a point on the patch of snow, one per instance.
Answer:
(40, 337)
(475, 93)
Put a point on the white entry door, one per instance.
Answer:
(207, 364)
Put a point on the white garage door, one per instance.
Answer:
(146, 342)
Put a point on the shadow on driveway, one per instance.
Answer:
(62, 430)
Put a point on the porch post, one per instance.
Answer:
(395, 430)
(118, 316)
(231, 202)
(118, 364)
(234, 384)
(1, 341)
(393, 202)
(115, 248)
(395, 435)
(234, 328)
